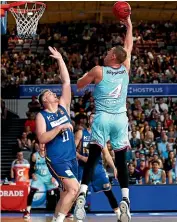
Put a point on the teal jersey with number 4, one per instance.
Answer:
(111, 93)
(62, 148)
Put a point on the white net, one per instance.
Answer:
(27, 17)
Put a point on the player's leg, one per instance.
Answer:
(101, 183)
(66, 175)
(98, 141)
(120, 143)
(113, 203)
(35, 184)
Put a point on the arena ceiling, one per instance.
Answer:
(101, 11)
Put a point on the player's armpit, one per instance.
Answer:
(89, 77)
(65, 98)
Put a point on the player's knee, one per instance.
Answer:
(74, 190)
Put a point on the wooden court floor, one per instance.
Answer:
(47, 218)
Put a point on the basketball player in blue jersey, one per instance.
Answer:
(100, 180)
(54, 129)
(40, 175)
(110, 122)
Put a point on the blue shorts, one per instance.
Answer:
(100, 180)
(113, 127)
(64, 170)
(43, 180)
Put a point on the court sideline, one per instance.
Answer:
(150, 217)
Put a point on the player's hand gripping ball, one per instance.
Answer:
(121, 10)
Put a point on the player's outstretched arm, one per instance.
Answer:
(128, 42)
(89, 77)
(65, 98)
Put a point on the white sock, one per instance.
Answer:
(60, 217)
(125, 192)
(83, 188)
(28, 208)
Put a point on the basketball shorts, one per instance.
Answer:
(100, 180)
(43, 180)
(65, 170)
(113, 127)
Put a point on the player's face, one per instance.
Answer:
(155, 166)
(131, 168)
(50, 97)
(91, 119)
(110, 56)
(42, 147)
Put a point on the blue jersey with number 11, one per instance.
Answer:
(62, 148)
(111, 93)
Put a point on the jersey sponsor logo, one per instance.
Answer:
(59, 121)
(113, 73)
(12, 193)
(50, 117)
(68, 172)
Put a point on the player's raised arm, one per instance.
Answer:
(65, 98)
(128, 42)
(89, 77)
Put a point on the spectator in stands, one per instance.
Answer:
(174, 116)
(172, 179)
(31, 122)
(169, 161)
(134, 175)
(20, 160)
(25, 145)
(135, 142)
(142, 168)
(156, 157)
(34, 106)
(155, 175)
(161, 105)
(158, 131)
(3, 110)
(162, 146)
(172, 133)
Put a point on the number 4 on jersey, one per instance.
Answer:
(115, 93)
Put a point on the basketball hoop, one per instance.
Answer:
(27, 15)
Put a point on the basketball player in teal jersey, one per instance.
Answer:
(110, 122)
(54, 129)
(40, 175)
(100, 180)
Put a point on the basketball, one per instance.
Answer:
(121, 10)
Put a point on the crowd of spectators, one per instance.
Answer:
(152, 135)
(84, 45)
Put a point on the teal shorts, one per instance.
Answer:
(43, 180)
(113, 127)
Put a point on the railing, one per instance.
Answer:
(12, 105)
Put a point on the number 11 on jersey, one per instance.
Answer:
(65, 136)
